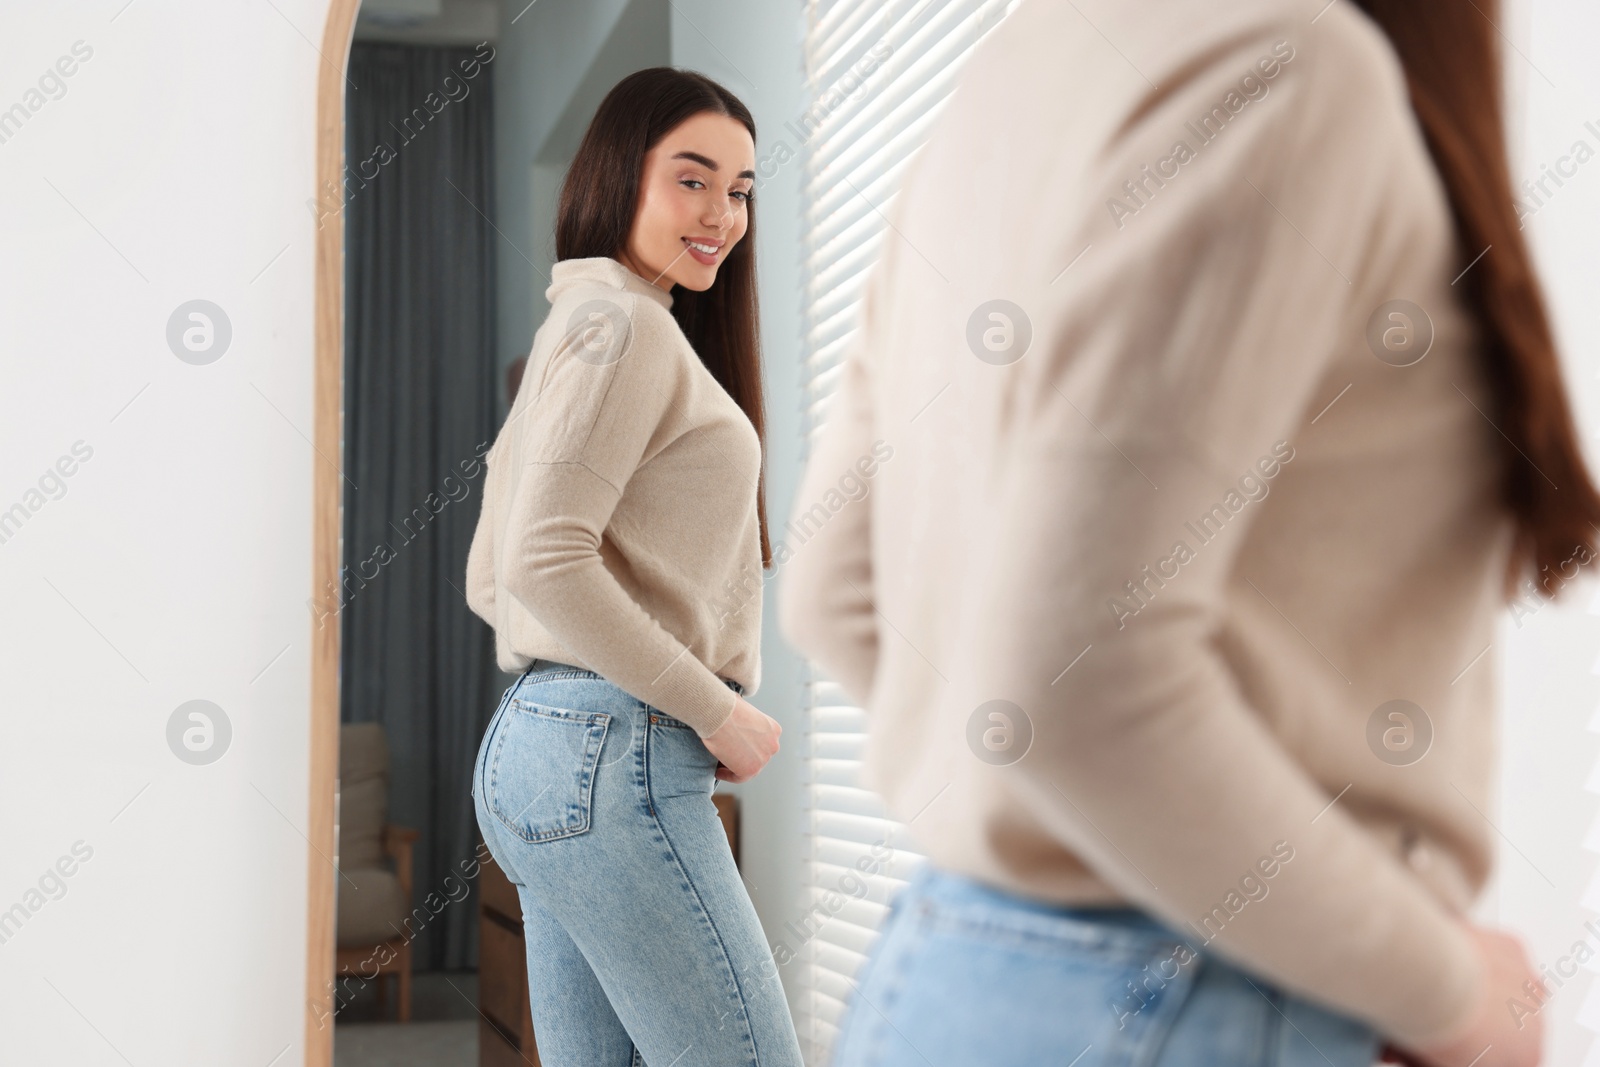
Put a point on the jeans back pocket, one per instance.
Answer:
(541, 774)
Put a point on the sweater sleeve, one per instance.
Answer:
(607, 395)
(825, 599)
(1172, 375)
(480, 558)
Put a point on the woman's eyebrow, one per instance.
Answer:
(711, 164)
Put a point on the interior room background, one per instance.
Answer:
(177, 166)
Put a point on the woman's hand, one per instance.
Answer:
(1493, 1038)
(744, 743)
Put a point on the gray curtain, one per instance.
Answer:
(419, 380)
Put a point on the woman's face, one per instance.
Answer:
(696, 187)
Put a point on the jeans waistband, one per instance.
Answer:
(954, 888)
(550, 666)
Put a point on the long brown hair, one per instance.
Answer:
(1452, 66)
(601, 194)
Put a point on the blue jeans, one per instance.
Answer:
(643, 946)
(964, 973)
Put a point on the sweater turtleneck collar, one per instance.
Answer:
(606, 271)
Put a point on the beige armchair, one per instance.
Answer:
(373, 898)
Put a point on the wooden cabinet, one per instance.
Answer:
(728, 809)
(505, 1028)
(505, 1024)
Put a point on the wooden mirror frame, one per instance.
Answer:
(328, 419)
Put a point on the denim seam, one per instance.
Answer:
(1119, 943)
(1149, 1041)
(577, 672)
(481, 761)
(488, 826)
(699, 902)
(572, 672)
(1272, 1023)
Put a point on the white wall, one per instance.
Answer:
(1545, 887)
(174, 563)
(541, 63)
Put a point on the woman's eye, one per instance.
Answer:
(696, 183)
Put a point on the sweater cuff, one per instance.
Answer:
(1446, 1014)
(695, 696)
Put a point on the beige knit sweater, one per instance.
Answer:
(1170, 508)
(619, 530)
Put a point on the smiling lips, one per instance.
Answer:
(704, 251)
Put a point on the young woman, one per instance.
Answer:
(1225, 420)
(619, 556)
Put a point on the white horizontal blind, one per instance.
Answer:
(877, 73)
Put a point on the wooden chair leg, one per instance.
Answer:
(404, 979)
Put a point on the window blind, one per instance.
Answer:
(877, 73)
